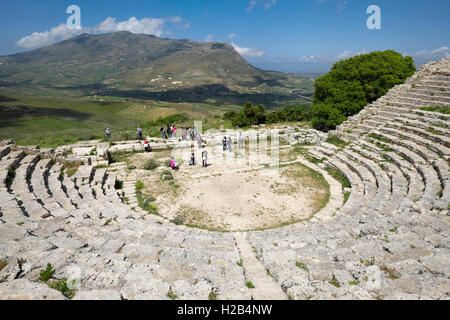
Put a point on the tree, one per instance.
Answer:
(326, 117)
(249, 115)
(353, 83)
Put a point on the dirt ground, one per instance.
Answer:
(232, 197)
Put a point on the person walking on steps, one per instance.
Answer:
(199, 141)
(204, 158)
(108, 133)
(230, 143)
(241, 141)
(139, 132)
(224, 142)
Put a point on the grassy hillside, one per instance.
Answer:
(75, 89)
(51, 122)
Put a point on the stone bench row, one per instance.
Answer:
(431, 91)
(429, 175)
(423, 145)
(383, 200)
(437, 96)
(415, 103)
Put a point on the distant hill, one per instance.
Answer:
(144, 66)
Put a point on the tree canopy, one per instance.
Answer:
(256, 114)
(353, 83)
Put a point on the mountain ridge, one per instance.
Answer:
(128, 62)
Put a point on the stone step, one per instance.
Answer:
(429, 175)
(265, 288)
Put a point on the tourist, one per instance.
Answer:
(205, 158)
(147, 146)
(229, 143)
(162, 132)
(183, 133)
(173, 164)
(174, 131)
(139, 132)
(169, 131)
(108, 133)
(241, 141)
(224, 142)
(199, 141)
(192, 161)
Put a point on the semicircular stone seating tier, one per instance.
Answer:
(389, 240)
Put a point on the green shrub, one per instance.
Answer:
(326, 118)
(301, 265)
(166, 175)
(334, 282)
(229, 115)
(3, 264)
(139, 185)
(167, 163)
(212, 296)
(339, 176)
(10, 176)
(249, 115)
(47, 274)
(61, 286)
(171, 295)
(151, 164)
(178, 220)
(338, 142)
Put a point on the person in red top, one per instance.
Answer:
(146, 146)
(174, 131)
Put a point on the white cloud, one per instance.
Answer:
(425, 55)
(266, 4)
(40, 39)
(322, 58)
(249, 52)
(232, 35)
(209, 38)
(153, 26)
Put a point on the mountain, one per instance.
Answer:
(144, 66)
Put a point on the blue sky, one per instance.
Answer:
(286, 35)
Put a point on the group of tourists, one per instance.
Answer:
(169, 132)
(228, 143)
(189, 133)
(192, 161)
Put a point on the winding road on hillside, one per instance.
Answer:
(293, 92)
